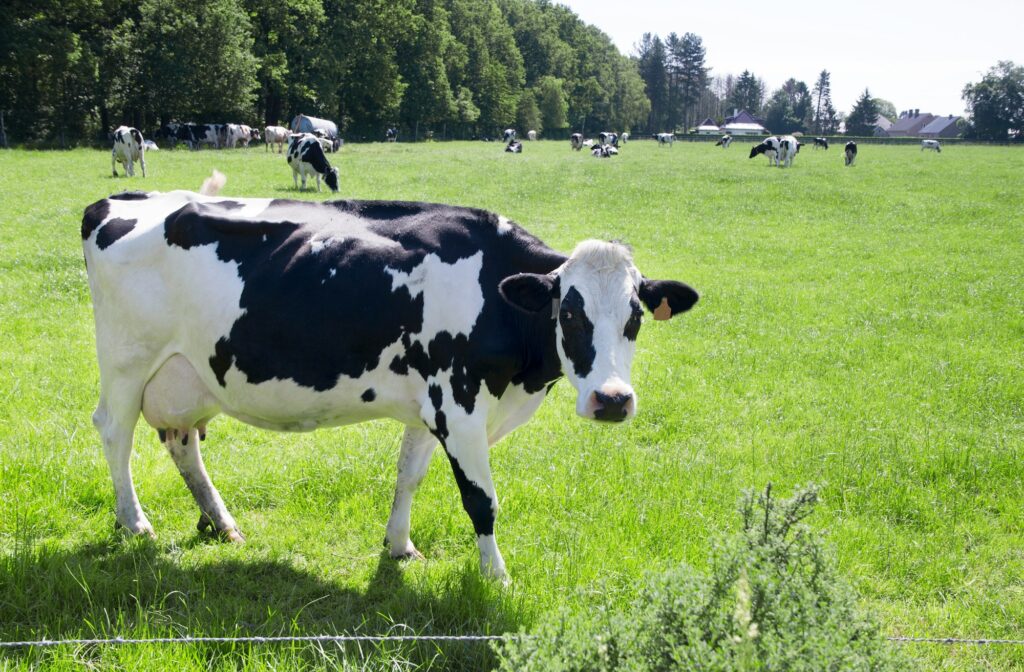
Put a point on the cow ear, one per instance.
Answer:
(529, 292)
(667, 298)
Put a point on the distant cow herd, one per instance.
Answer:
(307, 152)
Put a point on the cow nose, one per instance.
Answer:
(611, 407)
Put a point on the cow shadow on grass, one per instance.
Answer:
(136, 588)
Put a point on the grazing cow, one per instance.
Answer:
(208, 134)
(851, 152)
(576, 141)
(821, 142)
(514, 146)
(233, 134)
(248, 135)
(770, 148)
(276, 135)
(666, 139)
(931, 144)
(391, 135)
(306, 157)
(292, 315)
(531, 135)
(608, 138)
(624, 138)
(789, 146)
(724, 142)
(509, 134)
(129, 147)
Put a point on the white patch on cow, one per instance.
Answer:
(504, 226)
(452, 296)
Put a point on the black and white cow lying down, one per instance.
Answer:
(293, 315)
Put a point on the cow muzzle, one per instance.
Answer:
(610, 404)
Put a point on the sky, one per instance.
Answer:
(913, 54)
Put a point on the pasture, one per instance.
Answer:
(861, 328)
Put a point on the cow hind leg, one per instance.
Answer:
(142, 162)
(113, 163)
(115, 418)
(183, 445)
(413, 460)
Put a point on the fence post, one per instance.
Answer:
(3, 131)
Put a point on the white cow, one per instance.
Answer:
(624, 138)
(666, 139)
(276, 135)
(292, 315)
(531, 135)
(576, 141)
(788, 148)
(128, 148)
(931, 144)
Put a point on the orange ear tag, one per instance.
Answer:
(663, 312)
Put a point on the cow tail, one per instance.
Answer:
(213, 184)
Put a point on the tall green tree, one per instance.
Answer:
(748, 93)
(862, 118)
(692, 74)
(825, 118)
(652, 63)
(996, 103)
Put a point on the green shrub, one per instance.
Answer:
(772, 600)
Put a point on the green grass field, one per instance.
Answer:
(859, 328)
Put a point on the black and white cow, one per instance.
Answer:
(209, 134)
(276, 135)
(770, 148)
(603, 151)
(789, 146)
(454, 321)
(249, 134)
(931, 144)
(609, 138)
(391, 135)
(129, 147)
(514, 146)
(576, 141)
(851, 152)
(724, 141)
(306, 157)
(666, 139)
(509, 134)
(821, 142)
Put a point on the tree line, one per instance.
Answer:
(73, 70)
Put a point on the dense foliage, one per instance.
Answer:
(863, 116)
(772, 600)
(74, 70)
(996, 103)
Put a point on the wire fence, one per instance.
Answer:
(378, 639)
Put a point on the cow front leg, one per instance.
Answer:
(468, 453)
(113, 163)
(413, 460)
(183, 445)
(142, 162)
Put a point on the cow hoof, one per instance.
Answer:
(234, 535)
(409, 552)
(137, 530)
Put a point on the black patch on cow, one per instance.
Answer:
(474, 500)
(136, 136)
(634, 321)
(368, 395)
(577, 333)
(93, 217)
(229, 205)
(114, 230)
(436, 395)
(302, 323)
(162, 433)
(130, 196)
(759, 149)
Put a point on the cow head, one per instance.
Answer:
(759, 149)
(595, 300)
(331, 179)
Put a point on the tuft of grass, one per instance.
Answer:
(859, 327)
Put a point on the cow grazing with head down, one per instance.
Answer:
(770, 148)
(306, 157)
(931, 144)
(666, 139)
(576, 141)
(789, 147)
(454, 321)
(821, 142)
(724, 141)
(850, 152)
(129, 147)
